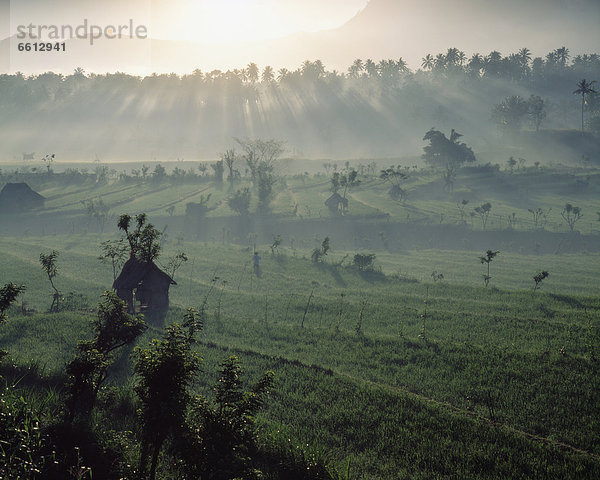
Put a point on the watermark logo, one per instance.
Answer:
(84, 31)
(65, 35)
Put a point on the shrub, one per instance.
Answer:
(364, 262)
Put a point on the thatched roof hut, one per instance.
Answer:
(17, 197)
(143, 282)
(337, 204)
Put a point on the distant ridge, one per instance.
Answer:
(383, 29)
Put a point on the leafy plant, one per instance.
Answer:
(199, 209)
(275, 245)
(48, 262)
(239, 202)
(165, 371)
(144, 240)
(538, 278)
(436, 276)
(175, 262)
(318, 254)
(394, 176)
(484, 212)
(8, 294)
(219, 439)
(487, 259)
(116, 252)
(461, 209)
(24, 451)
(446, 153)
(363, 304)
(364, 262)
(571, 215)
(540, 216)
(113, 329)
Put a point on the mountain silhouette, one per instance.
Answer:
(383, 29)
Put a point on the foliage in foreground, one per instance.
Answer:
(176, 432)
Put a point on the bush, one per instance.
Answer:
(239, 202)
(364, 262)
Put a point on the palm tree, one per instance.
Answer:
(562, 55)
(371, 68)
(282, 74)
(427, 62)
(452, 56)
(439, 63)
(402, 66)
(355, 69)
(267, 74)
(584, 88)
(525, 55)
(252, 72)
(493, 64)
(475, 65)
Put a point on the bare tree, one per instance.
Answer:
(229, 158)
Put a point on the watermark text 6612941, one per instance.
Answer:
(42, 47)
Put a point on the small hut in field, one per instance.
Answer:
(18, 197)
(145, 283)
(336, 204)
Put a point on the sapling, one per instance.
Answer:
(267, 310)
(8, 294)
(424, 315)
(363, 304)
(512, 220)
(221, 291)
(437, 276)
(175, 262)
(275, 245)
(307, 306)
(540, 216)
(318, 254)
(48, 262)
(116, 252)
(571, 215)
(539, 278)
(461, 210)
(242, 276)
(287, 308)
(484, 212)
(487, 259)
(339, 322)
(113, 329)
(164, 373)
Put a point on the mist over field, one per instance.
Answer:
(377, 108)
(297, 240)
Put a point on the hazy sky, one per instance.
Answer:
(222, 21)
(226, 34)
(205, 21)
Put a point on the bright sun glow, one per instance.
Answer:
(229, 21)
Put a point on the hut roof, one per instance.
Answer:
(335, 200)
(134, 271)
(20, 195)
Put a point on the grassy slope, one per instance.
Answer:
(406, 397)
(477, 341)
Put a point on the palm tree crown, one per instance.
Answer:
(584, 88)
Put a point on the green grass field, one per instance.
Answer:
(387, 373)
